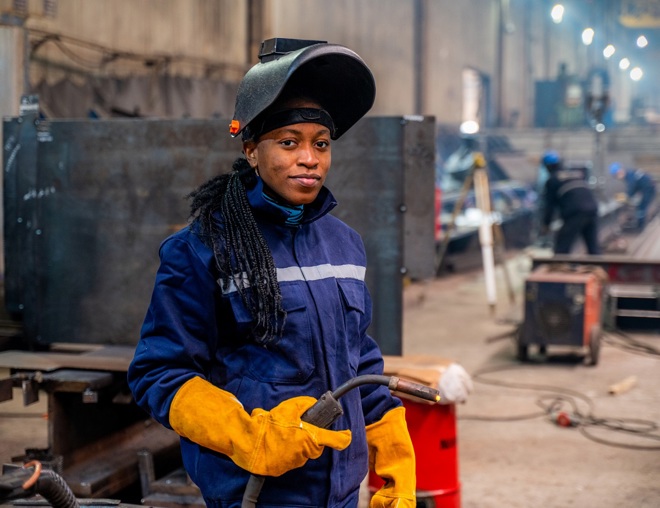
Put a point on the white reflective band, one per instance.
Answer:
(232, 284)
(319, 272)
(308, 273)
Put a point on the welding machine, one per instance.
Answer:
(563, 306)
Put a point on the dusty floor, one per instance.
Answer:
(510, 453)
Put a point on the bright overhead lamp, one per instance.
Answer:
(469, 127)
(557, 13)
(642, 41)
(609, 51)
(588, 36)
(624, 63)
(636, 73)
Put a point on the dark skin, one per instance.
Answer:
(293, 161)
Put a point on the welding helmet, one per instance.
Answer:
(330, 74)
(614, 168)
(550, 158)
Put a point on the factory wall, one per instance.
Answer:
(183, 37)
(178, 58)
(509, 44)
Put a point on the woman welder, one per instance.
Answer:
(260, 305)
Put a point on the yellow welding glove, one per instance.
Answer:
(265, 443)
(392, 457)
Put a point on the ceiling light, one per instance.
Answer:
(469, 127)
(588, 36)
(557, 13)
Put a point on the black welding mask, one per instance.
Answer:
(330, 74)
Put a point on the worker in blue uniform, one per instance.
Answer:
(567, 191)
(638, 183)
(260, 306)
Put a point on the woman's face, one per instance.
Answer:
(293, 161)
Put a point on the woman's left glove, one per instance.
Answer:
(392, 457)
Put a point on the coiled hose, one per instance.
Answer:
(22, 483)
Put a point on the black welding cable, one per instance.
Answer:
(643, 429)
(552, 404)
(31, 479)
(624, 425)
(54, 489)
(586, 421)
(479, 376)
(513, 418)
(623, 341)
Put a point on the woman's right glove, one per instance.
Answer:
(265, 443)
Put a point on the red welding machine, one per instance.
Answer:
(563, 306)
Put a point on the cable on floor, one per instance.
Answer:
(554, 405)
(622, 340)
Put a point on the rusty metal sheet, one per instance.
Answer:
(367, 180)
(93, 200)
(75, 381)
(6, 389)
(111, 464)
(419, 197)
(101, 196)
(20, 165)
(383, 179)
(111, 358)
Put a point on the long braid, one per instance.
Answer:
(241, 253)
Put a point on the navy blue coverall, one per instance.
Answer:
(638, 182)
(196, 327)
(569, 192)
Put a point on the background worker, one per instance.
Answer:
(260, 306)
(568, 192)
(638, 183)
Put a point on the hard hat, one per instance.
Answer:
(332, 75)
(550, 158)
(614, 168)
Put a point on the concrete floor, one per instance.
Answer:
(510, 454)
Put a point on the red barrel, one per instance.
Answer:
(432, 429)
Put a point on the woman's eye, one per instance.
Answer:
(287, 142)
(322, 144)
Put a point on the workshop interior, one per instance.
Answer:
(107, 128)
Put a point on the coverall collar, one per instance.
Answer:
(322, 205)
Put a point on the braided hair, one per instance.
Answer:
(241, 254)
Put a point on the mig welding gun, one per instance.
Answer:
(327, 409)
(246, 437)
